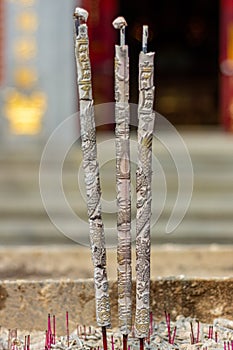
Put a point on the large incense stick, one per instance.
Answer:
(91, 168)
(143, 187)
(122, 118)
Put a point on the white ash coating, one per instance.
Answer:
(81, 13)
(158, 339)
(146, 117)
(91, 172)
(119, 23)
(123, 184)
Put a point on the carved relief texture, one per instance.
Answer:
(122, 117)
(143, 188)
(91, 171)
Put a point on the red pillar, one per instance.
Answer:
(226, 64)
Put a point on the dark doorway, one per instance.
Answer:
(185, 36)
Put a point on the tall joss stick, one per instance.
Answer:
(146, 118)
(91, 169)
(122, 118)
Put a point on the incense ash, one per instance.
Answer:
(184, 333)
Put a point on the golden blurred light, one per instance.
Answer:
(27, 2)
(24, 2)
(168, 103)
(27, 21)
(25, 112)
(230, 42)
(25, 48)
(25, 77)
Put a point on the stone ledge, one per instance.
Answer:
(25, 304)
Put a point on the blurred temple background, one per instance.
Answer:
(193, 59)
(194, 90)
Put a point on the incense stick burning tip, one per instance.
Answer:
(120, 23)
(80, 17)
(81, 14)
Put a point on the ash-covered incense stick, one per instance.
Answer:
(146, 118)
(122, 118)
(91, 168)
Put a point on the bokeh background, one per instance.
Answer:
(194, 91)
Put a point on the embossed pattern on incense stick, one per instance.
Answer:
(91, 173)
(143, 188)
(123, 188)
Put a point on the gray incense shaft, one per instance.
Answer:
(144, 195)
(91, 169)
(122, 118)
